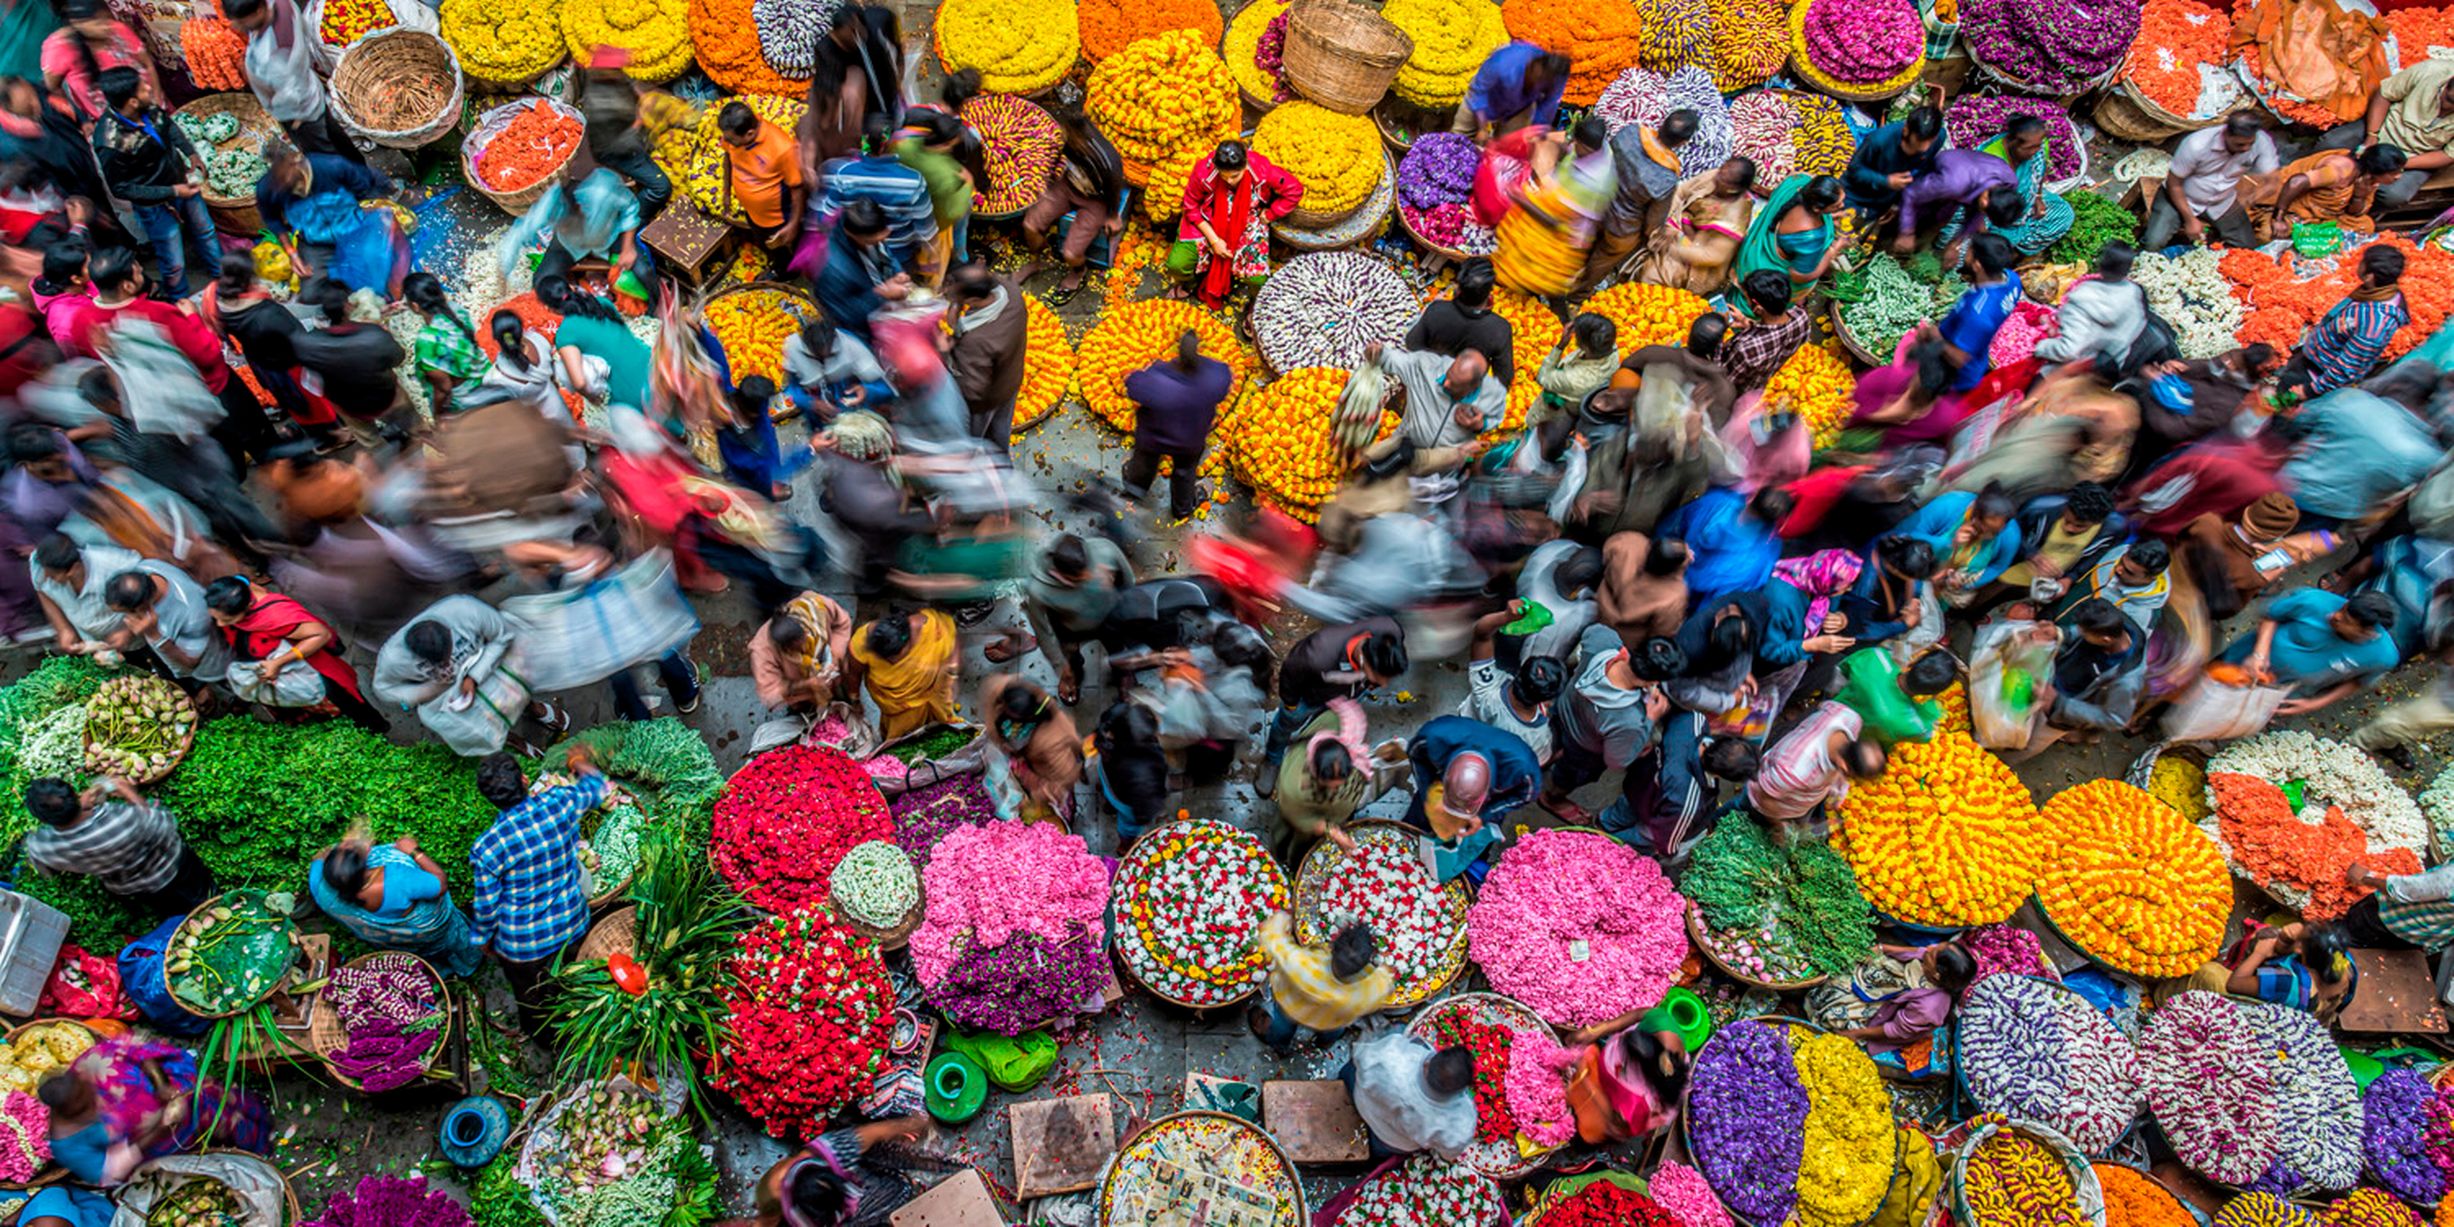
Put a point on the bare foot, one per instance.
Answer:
(1072, 280)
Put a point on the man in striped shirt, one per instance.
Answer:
(113, 835)
(2348, 343)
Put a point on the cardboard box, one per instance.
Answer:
(1314, 1122)
(1061, 1144)
(960, 1200)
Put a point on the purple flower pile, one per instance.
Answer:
(1270, 56)
(2393, 1145)
(1976, 118)
(1864, 42)
(2050, 46)
(1746, 1120)
(1438, 170)
(1025, 982)
(381, 1056)
(389, 1201)
(392, 1011)
(926, 814)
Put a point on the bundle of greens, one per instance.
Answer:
(59, 682)
(607, 1157)
(664, 763)
(1787, 912)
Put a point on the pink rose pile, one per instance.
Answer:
(987, 883)
(1579, 926)
(1537, 1087)
(1863, 42)
(1681, 1190)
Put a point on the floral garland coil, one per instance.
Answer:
(1017, 46)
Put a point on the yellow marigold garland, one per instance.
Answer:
(1283, 447)
(694, 157)
(1603, 39)
(1677, 33)
(1647, 314)
(655, 32)
(1138, 334)
(1819, 386)
(1850, 1142)
(1817, 77)
(1162, 196)
(753, 326)
(1748, 43)
(1017, 46)
(2131, 882)
(1243, 42)
(1946, 836)
(1823, 140)
(1138, 246)
(1048, 367)
(1452, 38)
(504, 42)
(1336, 156)
(1161, 98)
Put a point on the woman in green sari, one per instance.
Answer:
(1793, 233)
(2046, 217)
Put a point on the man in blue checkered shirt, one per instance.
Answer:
(531, 896)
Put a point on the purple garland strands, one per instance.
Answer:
(2393, 1145)
(1747, 1120)
(2050, 46)
(1438, 170)
(1026, 982)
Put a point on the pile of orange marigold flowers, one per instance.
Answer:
(2283, 295)
(2175, 37)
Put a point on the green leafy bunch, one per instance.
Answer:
(2095, 221)
(664, 762)
(1738, 877)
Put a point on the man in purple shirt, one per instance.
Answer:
(1959, 186)
(1175, 402)
(1519, 84)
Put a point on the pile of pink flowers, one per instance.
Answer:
(1579, 926)
(2016, 341)
(25, 1145)
(1682, 1191)
(1863, 42)
(1537, 1084)
(988, 883)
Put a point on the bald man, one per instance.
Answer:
(1448, 400)
(1476, 774)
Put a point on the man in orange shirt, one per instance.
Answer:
(764, 173)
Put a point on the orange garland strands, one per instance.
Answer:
(2273, 845)
(1604, 39)
(1129, 338)
(1109, 26)
(2283, 299)
(2131, 882)
(215, 52)
(1647, 314)
(2418, 29)
(1048, 367)
(2175, 37)
(533, 145)
(725, 39)
(2134, 1200)
(1532, 329)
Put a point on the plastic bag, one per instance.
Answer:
(2213, 711)
(588, 634)
(1358, 417)
(84, 985)
(2315, 240)
(297, 684)
(483, 723)
(2009, 686)
(263, 1198)
(140, 973)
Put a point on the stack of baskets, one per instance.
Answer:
(257, 131)
(491, 125)
(399, 88)
(1343, 56)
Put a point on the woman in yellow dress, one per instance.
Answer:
(1558, 213)
(1709, 214)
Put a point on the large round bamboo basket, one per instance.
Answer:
(1699, 936)
(50, 1172)
(258, 132)
(609, 936)
(514, 202)
(327, 1038)
(1454, 253)
(399, 88)
(1343, 56)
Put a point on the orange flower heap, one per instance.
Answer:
(2282, 300)
(1945, 836)
(2131, 882)
(2418, 29)
(1283, 447)
(1160, 100)
(1132, 337)
(1603, 39)
(1647, 314)
(1048, 367)
(1109, 26)
(215, 51)
(536, 143)
(2175, 37)
(724, 38)
(753, 326)
(2276, 848)
(1532, 329)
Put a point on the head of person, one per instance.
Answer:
(1069, 561)
(2240, 132)
(1465, 784)
(2113, 263)
(2142, 562)
(228, 599)
(1591, 133)
(248, 15)
(1657, 660)
(1188, 351)
(737, 125)
(345, 868)
(864, 223)
(845, 29)
(1907, 557)
(1948, 967)
(890, 636)
(939, 131)
(289, 170)
(431, 641)
(90, 18)
(1547, 69)
(60, 559)
(1021, 710)
(2023, 138)
(1704, 337)
(1661, 1058)
(329, 297)
(128, 591)
(818, 338)
(1352, 952)
(1862, 758)
(1475, 279)
(863, 436)
(1988, 516)
(115, 273)
(1667, 558)
(500, 781)
(64, 265)
(123, 89)
(1230, 161)
(1768, 289)
(1131, 758)
(2003, 207)
(53, 802)
(2086, 506)
(1593, 336)
(1734, 176)
(1381, 656)
(1822, 194)
(1538, 680)
(2380, 163)
(1929, 675)
(804, 1192)
(2271, 518)
(36, 448)
(2254, 361)
(1464, 378)
(67, 1095)
(1449, 1072)
(1677, 128)
(2326, 950)
(510, 335)
(1330, 761)
(1920, 129)
(2363, 617)
(1994, 255)
(2380, 266)
(1771, 505)
(1732, 759)
(2100, 624)
(1578, 572)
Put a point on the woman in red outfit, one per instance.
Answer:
(268, 632)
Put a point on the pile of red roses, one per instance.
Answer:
(810, 1022)
(1603, 1204)
(787, 817)
(1489, 1042)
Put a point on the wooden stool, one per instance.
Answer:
(1060, 1145)
(683, 238)
(1314, 1122)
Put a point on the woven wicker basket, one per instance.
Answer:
(488, 126)
(612, 935)
(398, 61)
(257, 131)
(1453, 253)
(326, 1037)
(1343, 56)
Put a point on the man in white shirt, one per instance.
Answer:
(1412, 1098)
(2207, 165)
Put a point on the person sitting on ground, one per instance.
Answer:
(2199, 188)
(2413, 111)
(1958, 193)
(1766, 335)
(2301, 965)
(2347, 344)
(828, 372)
(1889, 159)
(797, 658)
(2062, 535)
(2104, 314)
(394, 897)
(843, 1178)
(1793, 233)
(1900, 995)
(1323, 988)
(763, 174)
(2329, 185)
(2042, 217)
(1230, 201)
(1088, 182)
(909, 660)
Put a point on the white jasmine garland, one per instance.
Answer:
(875, 885)
(2189, 293)
(1326, 308)
(2335, 774)
(789, 30)
(1644, 97)
(2318, 1113)
(2437, 802)
(2032, 1051)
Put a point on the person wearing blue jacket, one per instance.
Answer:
(861, 275)
(1974, 538)
(1476, 773)
(1732, 539)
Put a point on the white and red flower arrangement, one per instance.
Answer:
(787, 817)
(1579, 926)
(1190, 897)
(810, 1022)
(1419, 924)
(1520, 1079)
(1425, 1191)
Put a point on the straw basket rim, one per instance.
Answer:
(1696, 931)
(1454, 253)
(188, 1008)
(515, 201)
(326, 1037)
(1456, 891)
(254, 121)
(613, 933)
(373, 54)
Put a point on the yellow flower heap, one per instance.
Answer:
(1818, 386)
(1017, 46)
(1283, 447)
(1646, 314)
(1750, 43)
(505, 42)
(1165, 103)
(1242, 45)
(2132, 882)
(1850, 1142)
(656, 33)
(1138, 334)
(753, 326)
(694, 156)
(1532, 328)
(1048, 367)
(1336, 156)
(1452, 38)
(1946, 836)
